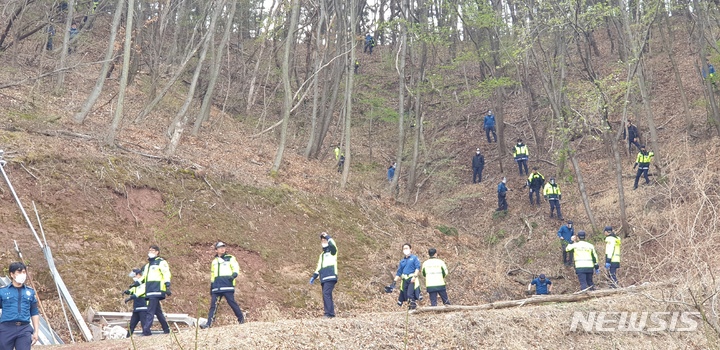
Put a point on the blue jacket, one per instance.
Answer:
(368, 39)
(541, 287)
(408, 265)
(566, 233)
(502, 189)
(391, 173)
(489, 121)
(18, 304)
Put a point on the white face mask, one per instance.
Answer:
(324, 244)
(406, 252)
(152, 256)
(20, 278)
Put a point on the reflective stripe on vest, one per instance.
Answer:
(583, 254)
(612, 248)
(433, 270)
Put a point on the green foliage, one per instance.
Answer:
(487, 87)
(447, 230)
(500, 214)
(495, 238)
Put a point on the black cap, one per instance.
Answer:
(581, 234)
(542, 276)
(608, 228)
(642, 146)
(219, 245)
(570, 222)
(432, 251)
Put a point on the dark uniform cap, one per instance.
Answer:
(608, 228)
(542, 276)
(219, 245)
(581, 234)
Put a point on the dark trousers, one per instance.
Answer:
(328, 305)
(567, 256)
(230, 297)
(631, 143)
(502, 202)
(368, 47)
(409, 292)
(536, 191)
(490, 130)
(154, 309)
(15, 337)
(613, 276)
(586, 280)
(477, 175)
(443, 296)
(555, 204)
(642, 171)
(522, 163)
(137, 316)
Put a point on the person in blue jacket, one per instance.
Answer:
(408, 272)
(543, 286)
(502, 192)
(391, 172)
(565, 234)
(19, 307)
(369, 43)
(489, 126)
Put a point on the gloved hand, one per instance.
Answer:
(635, 166)
(135, 284)
(597, 271)
(560, 197)
(127, 292)
(234, 275)
(607, 266)
(312, 279)
(167, 289)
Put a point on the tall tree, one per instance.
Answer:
(110, 138)
(66, 45)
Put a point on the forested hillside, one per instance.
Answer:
(182, 123)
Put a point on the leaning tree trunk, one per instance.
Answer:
(180, 121)
(217, 63)
(66, 44)
(288, 94)
(583, 192)
(110, 139)
(95, 94)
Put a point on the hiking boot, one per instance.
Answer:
(412, 305)
(399, 303)
(204, 326)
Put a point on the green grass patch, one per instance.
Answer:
(447, 230)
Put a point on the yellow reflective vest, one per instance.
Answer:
(223, 270)
(521, 151)
(584, 255)
(612, 250)
(552, 192)
(138, 295)
(156, 275)
(434, 270)
(644, 159)
(327, 263)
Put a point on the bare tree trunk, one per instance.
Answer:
(251, 91)
(110, 139)
(180, 121)
(668, 46)
(412, 173)
(348, 94)
(318, 63)
(616, 164)
(288, 94)
(217, 63)
(650, 120)
(95, 93)
(401, 101)
(66, 44)
(583, 193)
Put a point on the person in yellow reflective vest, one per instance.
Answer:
(612, 255)
(224, 269)
(156, 276)
(521, 155)
(553, 195)
(434, 270)
(535, 181)
(137, 295)
(337, 152)
(642, 162)
(327, 272)
(586, 260)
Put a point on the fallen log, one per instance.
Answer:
(540, 299)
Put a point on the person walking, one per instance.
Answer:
(612, 255)
(356, 65)
(19, 306)
(489, 126)
(535, 182)
(407, 273)
(478, 164)
(586, 261)
(137, 295)
(642, 162)
(327, 272)
(434, 271)
(502, 190)
(224, 269)
(543, 286)
(369, 44)
(553, 195)
(632, 135)
(156, 277)
(521, 155)
(566, 233)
